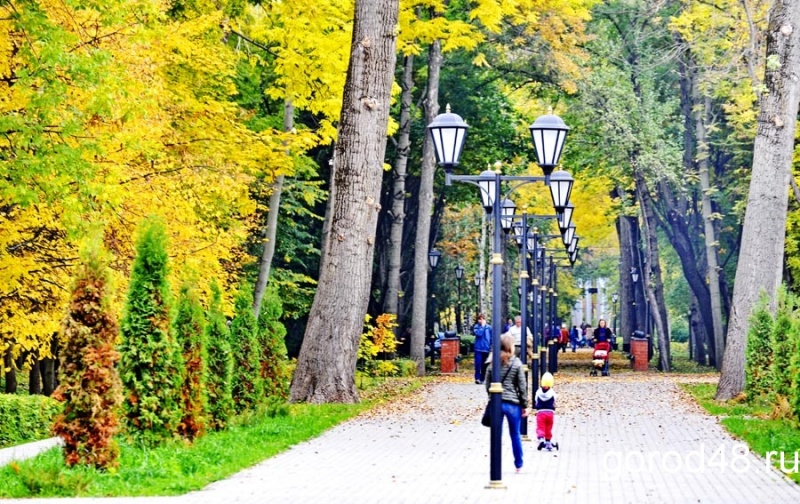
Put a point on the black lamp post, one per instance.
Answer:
(448, 132)
(477, 296)
(459, 275)
(433, 261)
(614, 299)
(635, 280)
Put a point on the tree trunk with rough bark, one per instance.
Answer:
(272, 222)
(422, 242)
(711, 244)
(399, 190)
(327, 362)
(654, 287)
(764, 232)
(10, 372)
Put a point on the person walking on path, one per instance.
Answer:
(545, 411)
(515, 401)
(516, 332)
(573, 338)
(563, 338)
(483, 343)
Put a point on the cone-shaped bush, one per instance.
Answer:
(150, 366)
(190, 333)
(784, 344)
(248, 389)
(271, 338)
(90, 386)
(220, 363)
(759, 351)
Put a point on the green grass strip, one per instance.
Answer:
(750, 422)
(178, 467)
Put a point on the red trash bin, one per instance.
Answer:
(450, 350)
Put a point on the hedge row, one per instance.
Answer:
(26, 418)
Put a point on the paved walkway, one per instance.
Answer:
(27, 450)
(625, 439)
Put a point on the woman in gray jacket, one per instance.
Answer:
(515, 402)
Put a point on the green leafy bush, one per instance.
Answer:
(759, 351)
(90, 386)
(220, 363)
(26, 418)
(150, 366)
(406, 367)
(248, 388)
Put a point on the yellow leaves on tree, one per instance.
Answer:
(377, 339)
(110, 113)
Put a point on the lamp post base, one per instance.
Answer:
(525, 437)
(496, 485)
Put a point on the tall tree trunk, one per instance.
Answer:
(10, 371)
(627, 293)
(399, 189)
(698, 332)
(272, 222)
(34, 377)
(654, 287)
(422, 243)
(326, 365)
(712, 262)
(764, 231)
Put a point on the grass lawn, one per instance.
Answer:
(177, 467)
(752, 424)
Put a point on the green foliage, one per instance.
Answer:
(747, 421)
(794, 366)
(174, 467)
(90, 385)
(26, 418)
(248, 388)
(271, 339)
(191, 338)
(406, 368)
(150, 366)
(785, 333)
(759, 351)
(378, 339)
(220, 363)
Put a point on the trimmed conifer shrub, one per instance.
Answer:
(784, 344)
(248, 389)
(191, 337)
(150, 366)
(759, 351)
(90, 386)
(220, 363)
(271, 338)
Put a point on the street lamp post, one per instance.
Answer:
(477, 296)
(635, 280)
(433, 261)
(459, 275)
(448, 132)
(614, 299)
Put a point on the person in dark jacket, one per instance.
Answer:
(483, 343)
(515, 400)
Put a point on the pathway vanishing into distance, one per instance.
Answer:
(630, 438)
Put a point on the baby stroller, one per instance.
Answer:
(602, 350)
